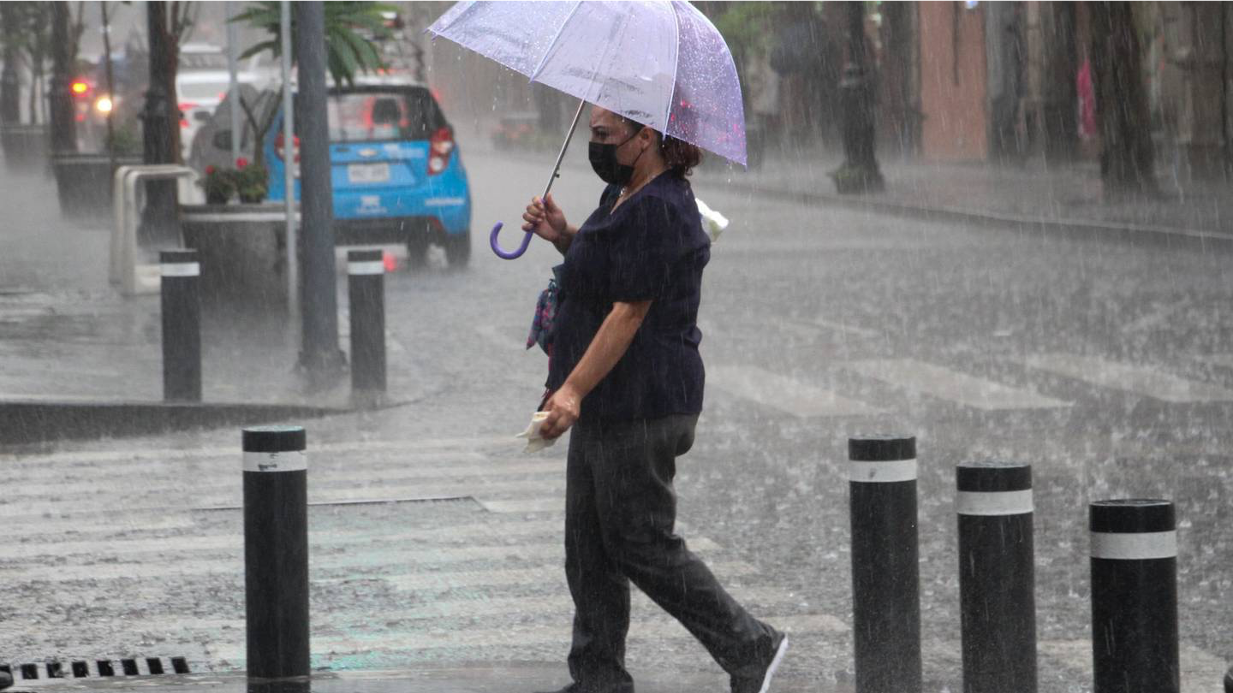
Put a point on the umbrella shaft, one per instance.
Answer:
(564, 146)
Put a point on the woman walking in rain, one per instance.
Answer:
(626, 376)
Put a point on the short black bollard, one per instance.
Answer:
(181, 308)
(996, 577)
(885, 568)
(276, 551)
(1228, 681)
(366, 286)
(1134, 596)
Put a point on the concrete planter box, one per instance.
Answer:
(84, 183)
(243, 253)
(25, 147)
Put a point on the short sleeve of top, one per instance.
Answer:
(641, 255)
(652, 248)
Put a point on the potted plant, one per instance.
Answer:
(251, 181)
(219, 185)
(242, 246)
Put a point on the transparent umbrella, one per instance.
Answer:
(659, 62)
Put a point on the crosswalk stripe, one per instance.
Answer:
(660, 628)
(101, 544)
(1139, 380)
(233, 499)
(782, 393)
(1222, 360)
(1201, 671)
(107, 524)
(527, 505)
(411, 448)
(642, 609)
(465, 579)
(952, 386)
(365, 558)
(562, 603)
(101, 476)
(846, 329)
(171, 546)
(99, 482)
(521, 636)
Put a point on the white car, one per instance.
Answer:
(202, 80)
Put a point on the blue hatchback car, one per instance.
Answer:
(397, 172)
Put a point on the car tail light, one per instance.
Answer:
(185, 108)
(440, 146)
(79, 87)
(295, 147)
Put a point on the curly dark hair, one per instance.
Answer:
(682, 157)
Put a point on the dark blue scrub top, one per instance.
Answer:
(651, 248)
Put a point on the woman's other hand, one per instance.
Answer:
(563, 408)
(546, 219)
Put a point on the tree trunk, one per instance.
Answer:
(10, 81)
(1060, 124)
(160, 114)
(901, 109)
(63, 128)
(859, 172)
(1126, 157)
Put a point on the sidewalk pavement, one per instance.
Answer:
(1033, 195)
(66, 335)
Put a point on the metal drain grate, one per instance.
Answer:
(80, 669)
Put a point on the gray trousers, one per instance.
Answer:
(620, 516)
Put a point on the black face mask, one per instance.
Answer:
(604, 161)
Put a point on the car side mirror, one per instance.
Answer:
(222, 139)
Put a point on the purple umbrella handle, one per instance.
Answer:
(496, 247)
(526, 242)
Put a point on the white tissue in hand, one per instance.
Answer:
(535, 443)
(712, 221)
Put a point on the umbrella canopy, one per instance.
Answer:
(659, 62)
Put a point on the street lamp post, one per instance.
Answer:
(158, 218)
(859, 172)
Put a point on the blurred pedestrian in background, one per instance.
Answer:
(809, 61)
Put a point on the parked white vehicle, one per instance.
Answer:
(202, 81)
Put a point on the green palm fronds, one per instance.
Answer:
(350, 31)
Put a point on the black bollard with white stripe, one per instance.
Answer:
(996, 577)
(181, 309)
(885, 564)
(276, 551)
(1134, 596)
(366, 286)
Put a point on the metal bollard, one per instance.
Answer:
(885, 569)
(1228, 681)
(1134, 596)
(276, 551)
(366, 286)
(181, 309)
(996, 577)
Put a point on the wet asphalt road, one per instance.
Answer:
(1105, 363)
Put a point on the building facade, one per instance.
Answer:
(1010, 82)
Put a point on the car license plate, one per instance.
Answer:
(368, 173)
